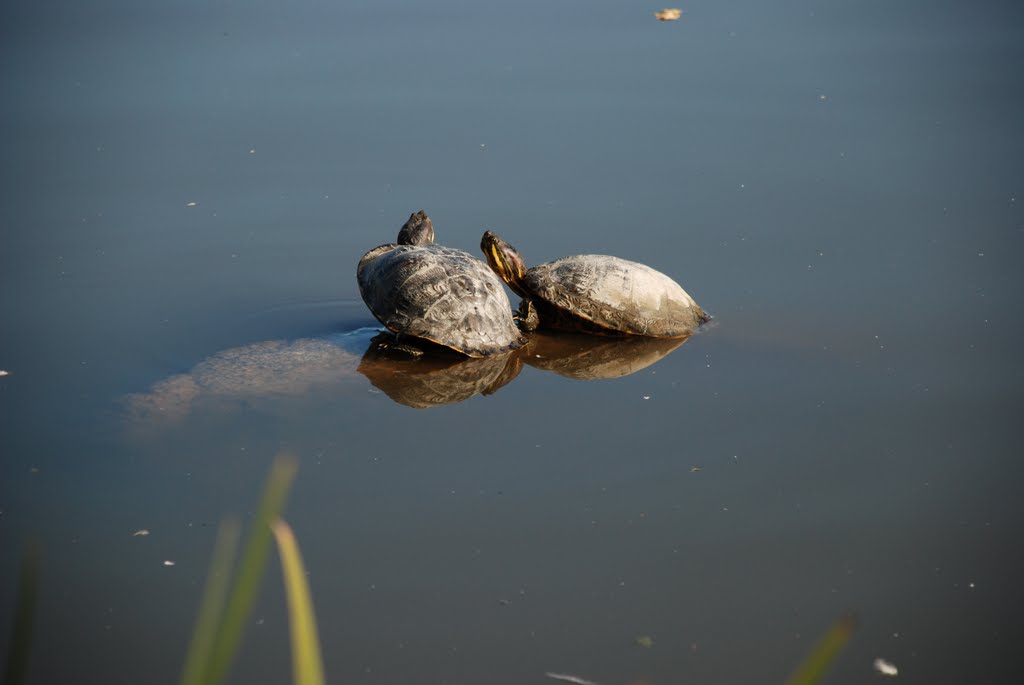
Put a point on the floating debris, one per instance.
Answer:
(141, 532)
(696, 469)
(570, 678)
(645, 641)
(168, 562)
(4, 373)
(668, 15)
(886, 667)
(191, 204)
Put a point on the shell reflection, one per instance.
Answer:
(280, 370)
(435, 377)
(585, 357)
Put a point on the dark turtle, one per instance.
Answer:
(435, 293)
(596, 294)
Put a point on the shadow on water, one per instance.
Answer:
(275, 369)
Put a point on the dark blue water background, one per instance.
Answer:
(839, 183)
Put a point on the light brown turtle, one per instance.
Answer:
(435, 293)
(595, 293)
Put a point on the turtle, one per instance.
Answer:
(595, 294)
(438, 294)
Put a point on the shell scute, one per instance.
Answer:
(614, 295)
(439, 294)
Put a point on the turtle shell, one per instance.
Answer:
(598, 293)
(439, 294)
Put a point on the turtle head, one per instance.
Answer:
(505, 262)
(418, 230)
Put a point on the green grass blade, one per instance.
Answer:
(211, 609)
(307, 663)
(815, 663)
(19, 649)
(250, 571)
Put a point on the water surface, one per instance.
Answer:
(839, 184)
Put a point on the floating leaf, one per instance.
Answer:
(569, 678)
(886, 667)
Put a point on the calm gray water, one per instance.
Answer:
(186, 188)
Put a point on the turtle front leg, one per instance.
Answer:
(388, 342)
(526, 316)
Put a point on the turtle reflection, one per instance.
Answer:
(586, 357)
(280, 370)
(258, 375)
(431, 377)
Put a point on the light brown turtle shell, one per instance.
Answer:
(599, 293)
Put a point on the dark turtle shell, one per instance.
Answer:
(439, 294)
(602, 294)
